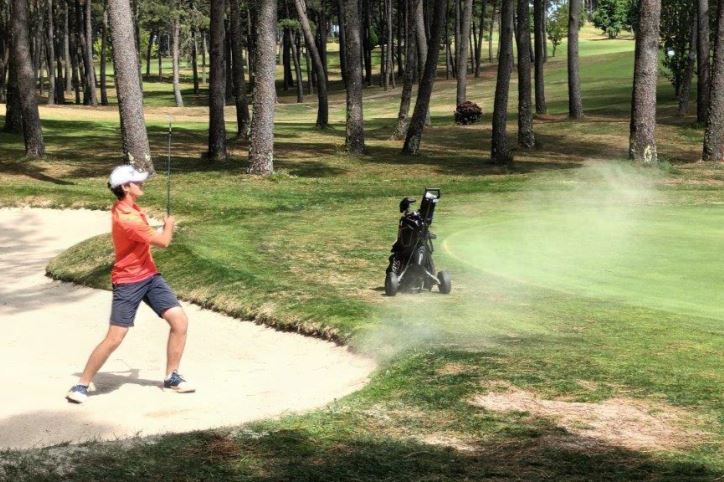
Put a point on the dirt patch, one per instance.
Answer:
(623, 422)
(452, 369)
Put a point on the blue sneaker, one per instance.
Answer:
(177, 383)
(77, 394)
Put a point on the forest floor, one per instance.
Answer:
(582, 338)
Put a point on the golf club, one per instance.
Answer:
(168, 167)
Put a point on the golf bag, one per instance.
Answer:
(411, 267)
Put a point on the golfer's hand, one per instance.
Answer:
(169, 222)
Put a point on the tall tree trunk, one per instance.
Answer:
(50, 50)
(130, 97)
(13, 109)
(422, 47)
(288, 80)
(175, 34)
(151, 36)
(714, 134)
(104, 47)
(500, 151)
(319, 70)
(261, 150)
(490, 32)
(642, 144)
(203, 57)
(87, 42)
(4, 57)
(160, 59)
(526, 138)
(217, 84)
(366, 43)
(342, 43)
(685, 90)
(32, 132)
(575, 101)
(297, 68)
(422, 104)
(355, 135)
(388, 45)
(410, 70)
(479, 41)
(194, 60)
(67, 67)
(539, 16)
(467, 18)
(73, 51)
(703, 49)
(229, 63)
(242, 104)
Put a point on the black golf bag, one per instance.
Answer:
(411, 267)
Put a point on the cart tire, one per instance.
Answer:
(392, 284)
(445, 282)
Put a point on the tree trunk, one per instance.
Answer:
(297, 68)
(642, 144)
(151, 36)
(203, 57)
(194, 60)
(68, 67)
(526, 138)
(388, 45)
(228, 64)
(32, 132)
(130, 97)
(479, 41)
(421, 35)
(714, 134)
(342, 43)
(261, 150)
(490, 33)
(87, 43)
(217, 84)
(539, 16)
(242, 105)
(50, 51)
(703, 48)
(355, 134)
(288, 79)
(575, 101)
(500, 152)
(4, 57)
(410, 70)
(422, 104)
(467, 18)
(104, 46)
(160, 59)
(685, 90)
(175, 34)
(366, 44)
(13, 109)
(319, 70)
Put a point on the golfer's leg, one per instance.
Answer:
(100, 354)
(178, 324)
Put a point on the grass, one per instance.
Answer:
(575, 277)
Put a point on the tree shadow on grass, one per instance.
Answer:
(364, 455)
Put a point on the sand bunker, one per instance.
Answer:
(243, 371)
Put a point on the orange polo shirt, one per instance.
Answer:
(132, 244)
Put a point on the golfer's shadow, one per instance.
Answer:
(107, 382)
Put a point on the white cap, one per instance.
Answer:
(124, 174)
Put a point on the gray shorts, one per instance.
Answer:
(154, 291)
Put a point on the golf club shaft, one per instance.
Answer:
(168, 172)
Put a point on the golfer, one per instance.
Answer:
(135, 279)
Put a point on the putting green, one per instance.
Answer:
(656, 257)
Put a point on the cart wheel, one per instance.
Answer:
(392, 283)
(445, 282)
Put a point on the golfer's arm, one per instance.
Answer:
(163, 239)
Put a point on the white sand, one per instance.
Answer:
(242, 371)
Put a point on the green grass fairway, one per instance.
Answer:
(654, 257)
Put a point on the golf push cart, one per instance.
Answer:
(411, 268)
